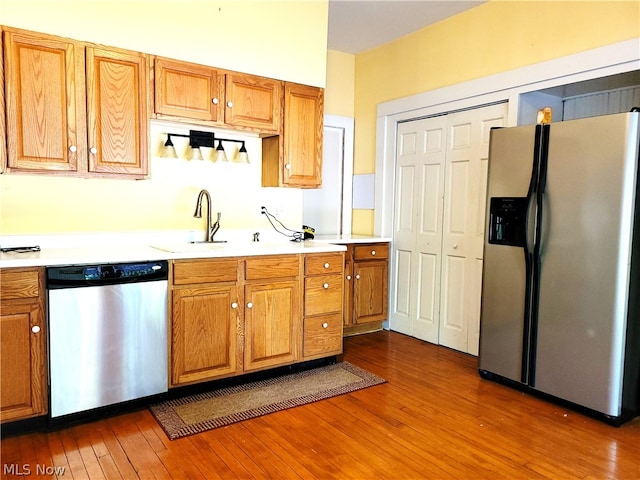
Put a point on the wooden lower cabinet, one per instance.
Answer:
(237, 315)
(366, 293)
(205, 320)
(204, 336)
(323, 304)
(272, 324)
(23, 359)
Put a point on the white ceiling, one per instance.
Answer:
(359, 25)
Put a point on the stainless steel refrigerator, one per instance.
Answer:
(560, 312)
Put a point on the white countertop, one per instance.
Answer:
(351, 238)
(93, 248)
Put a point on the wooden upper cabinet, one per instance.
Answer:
(46, 126)
(187, 90)
(3, 128)
(303, 123)
(294, 158)
(63, 117)
(253, 102)
(118, 115)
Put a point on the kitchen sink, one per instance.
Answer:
(187, 247)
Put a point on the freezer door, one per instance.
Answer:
(502, 320)
(588, 213)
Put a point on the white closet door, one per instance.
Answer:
(463, 229)
(439, 207)
(418, 228)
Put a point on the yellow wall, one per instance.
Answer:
(494, 37)
(274, 38)
(277, 39)
(340, 90)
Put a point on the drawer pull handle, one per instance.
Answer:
(373, 252)
(326, 285)
(249, 305)
(325, 325)
(35, 329)
(234, 305)
(326, 265)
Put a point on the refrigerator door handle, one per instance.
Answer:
(541, 214)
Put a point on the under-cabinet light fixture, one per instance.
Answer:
(199, 139)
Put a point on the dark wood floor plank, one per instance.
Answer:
(434, 418)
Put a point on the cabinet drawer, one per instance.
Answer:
(205, 271)
(322, 335)
(323, 294)
(259, 268)
(371, 251)
(323, 263)
(19, 284)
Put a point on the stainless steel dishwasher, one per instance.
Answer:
(107, 334)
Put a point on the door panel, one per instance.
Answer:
(441, 174)
(417, 231)
(118, 115)
(46, 123)
(466, 167)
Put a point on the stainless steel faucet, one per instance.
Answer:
(211, 229)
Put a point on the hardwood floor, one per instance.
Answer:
(434, 418)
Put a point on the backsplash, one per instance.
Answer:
(47, 204)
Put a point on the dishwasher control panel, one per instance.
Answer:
(81, 275)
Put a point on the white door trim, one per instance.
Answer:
(507, 86)
(346, 123)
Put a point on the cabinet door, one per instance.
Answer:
(303, 121)
(370, 291)
(186, 90)
(22, 360)
(253, 102)
(205, 333)
(117, 111)
(348, 288)
(272, 324)
(46, 124)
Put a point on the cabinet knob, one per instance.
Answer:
(357, 277)
(288, 166)
(326, 265)
(326, 285)
(230, 104)
(35, 329)
(73, 149)
(348, 277)
(234, 305)
(373, 252)
(215, 101)
(325, 325)
(249, 305)
(93, 150)
(455, 245)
